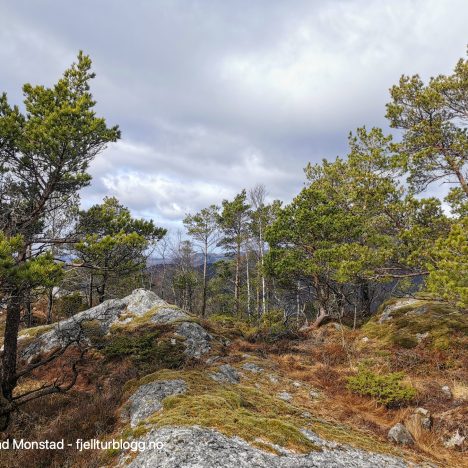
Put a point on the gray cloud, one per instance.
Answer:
(216, 96)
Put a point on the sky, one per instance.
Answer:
(215, 96)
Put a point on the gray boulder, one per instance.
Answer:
(400, 435)
(196, 447)
(285, 396)
(446, 392)
(76, 327)
(169, 315)
(251, 367)
(273, 379)
(197, 339)
(423, 417)
(456, 441)
(148, 398)
(226, 374)
(141, 301)
(387, 312)
(314, 393)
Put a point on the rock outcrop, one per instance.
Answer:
(189, 447)
(100, 319)
(387, 312)
(148, 398)
(226, 374)
(252, 367)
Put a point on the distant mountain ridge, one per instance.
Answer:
(198, 259)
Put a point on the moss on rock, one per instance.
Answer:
(445, 327)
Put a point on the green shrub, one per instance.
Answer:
(403, 340)
(231, 326)
(385, 388)
(448, 275)
(148, 350)
(69, 305)
(94, 332)
(273, 321)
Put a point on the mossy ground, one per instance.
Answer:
(240, 410)
(251, 411)
(34, 332)
(446, 327)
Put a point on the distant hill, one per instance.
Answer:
(198, 259)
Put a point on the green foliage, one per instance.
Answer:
(69, 305)
(221, 300)
(113, 242)
(203, 226)
(232, 326)
(44, 157)
(335, 230)
(404, 340)
(385, 388)
(19, 274)
(148, 349)
(353, 224)
(448, 274)
(273, 322)
(111, 218)
(45, 153)
(185, 281)
(433, 118)
(234, 221)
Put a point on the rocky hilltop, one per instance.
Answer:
(204, 394)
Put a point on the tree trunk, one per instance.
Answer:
(27, 306)
(257, 295)
(102, 288)
(90, 291)
(456, 169)
(262, 267)
(205, 262)
(248, 281)
(463, 182)
(50, 302)
(236, 284)
(322, 299)
(322, 315)
(366, 300)
(163, 280)
(8, 376)
(101, 293)
(298, 303)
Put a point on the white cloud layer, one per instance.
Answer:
(216, 96)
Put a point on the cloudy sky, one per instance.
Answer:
(213, 96)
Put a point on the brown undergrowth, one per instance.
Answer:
(322, 362)
(314, 369)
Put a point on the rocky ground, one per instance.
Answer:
(230, 401)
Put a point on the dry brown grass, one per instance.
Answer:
(89, 410)
(328, 367)
(460, 390)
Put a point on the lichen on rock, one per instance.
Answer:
(148, 398)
